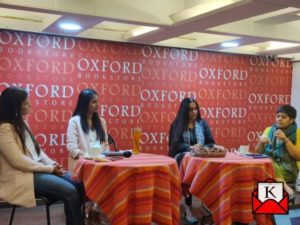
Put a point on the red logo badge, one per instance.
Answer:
(270, 198)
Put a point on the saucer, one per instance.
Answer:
(98, 158)
(102, 159)
(86, 156)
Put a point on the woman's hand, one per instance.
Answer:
(281, 135)
(264, 139)
(81, 153)
(292, 149)
(196, 146)
(58, 170)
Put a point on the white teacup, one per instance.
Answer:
(244, 149)
(95, 150)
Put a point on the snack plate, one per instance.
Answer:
(212, 154)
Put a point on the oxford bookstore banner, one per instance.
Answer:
(141, 86)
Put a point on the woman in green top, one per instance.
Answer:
(282, 143)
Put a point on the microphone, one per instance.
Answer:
(277, 141)
(125, 154)
(276, 146)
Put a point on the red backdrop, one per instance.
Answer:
(141, 86)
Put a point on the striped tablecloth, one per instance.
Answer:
(141, 189)
(225, 185)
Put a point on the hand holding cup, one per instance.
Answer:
(264, 139)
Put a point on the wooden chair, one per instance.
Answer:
(43, 199)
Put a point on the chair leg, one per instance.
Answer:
(12, 214)
(48, 214)
(47, 211)
(47, 204)
(83, 210)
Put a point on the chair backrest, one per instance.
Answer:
(112, 141)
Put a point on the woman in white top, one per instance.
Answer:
(85, 127)
(25, 170)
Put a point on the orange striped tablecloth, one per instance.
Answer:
(225, 185)
(141, 189)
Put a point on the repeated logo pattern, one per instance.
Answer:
(141, 86)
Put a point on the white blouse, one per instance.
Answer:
(92, 137)
(31, 148)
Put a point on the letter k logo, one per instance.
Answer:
(270, 198)
(269, 191)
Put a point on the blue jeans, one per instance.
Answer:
(62, 188)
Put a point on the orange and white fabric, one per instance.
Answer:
(142, 189)
(225, 185)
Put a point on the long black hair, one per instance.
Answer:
(11, 101)
(81, 110)
(181, 121)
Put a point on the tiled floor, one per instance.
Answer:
(37, 215)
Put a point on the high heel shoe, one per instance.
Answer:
(297, 185)
(188, 215)
(292, 197)
(290, 192)
(87, 209)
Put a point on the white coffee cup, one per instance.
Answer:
(244, 149)
(95, 150)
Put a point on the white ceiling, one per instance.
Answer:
(258, 25)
